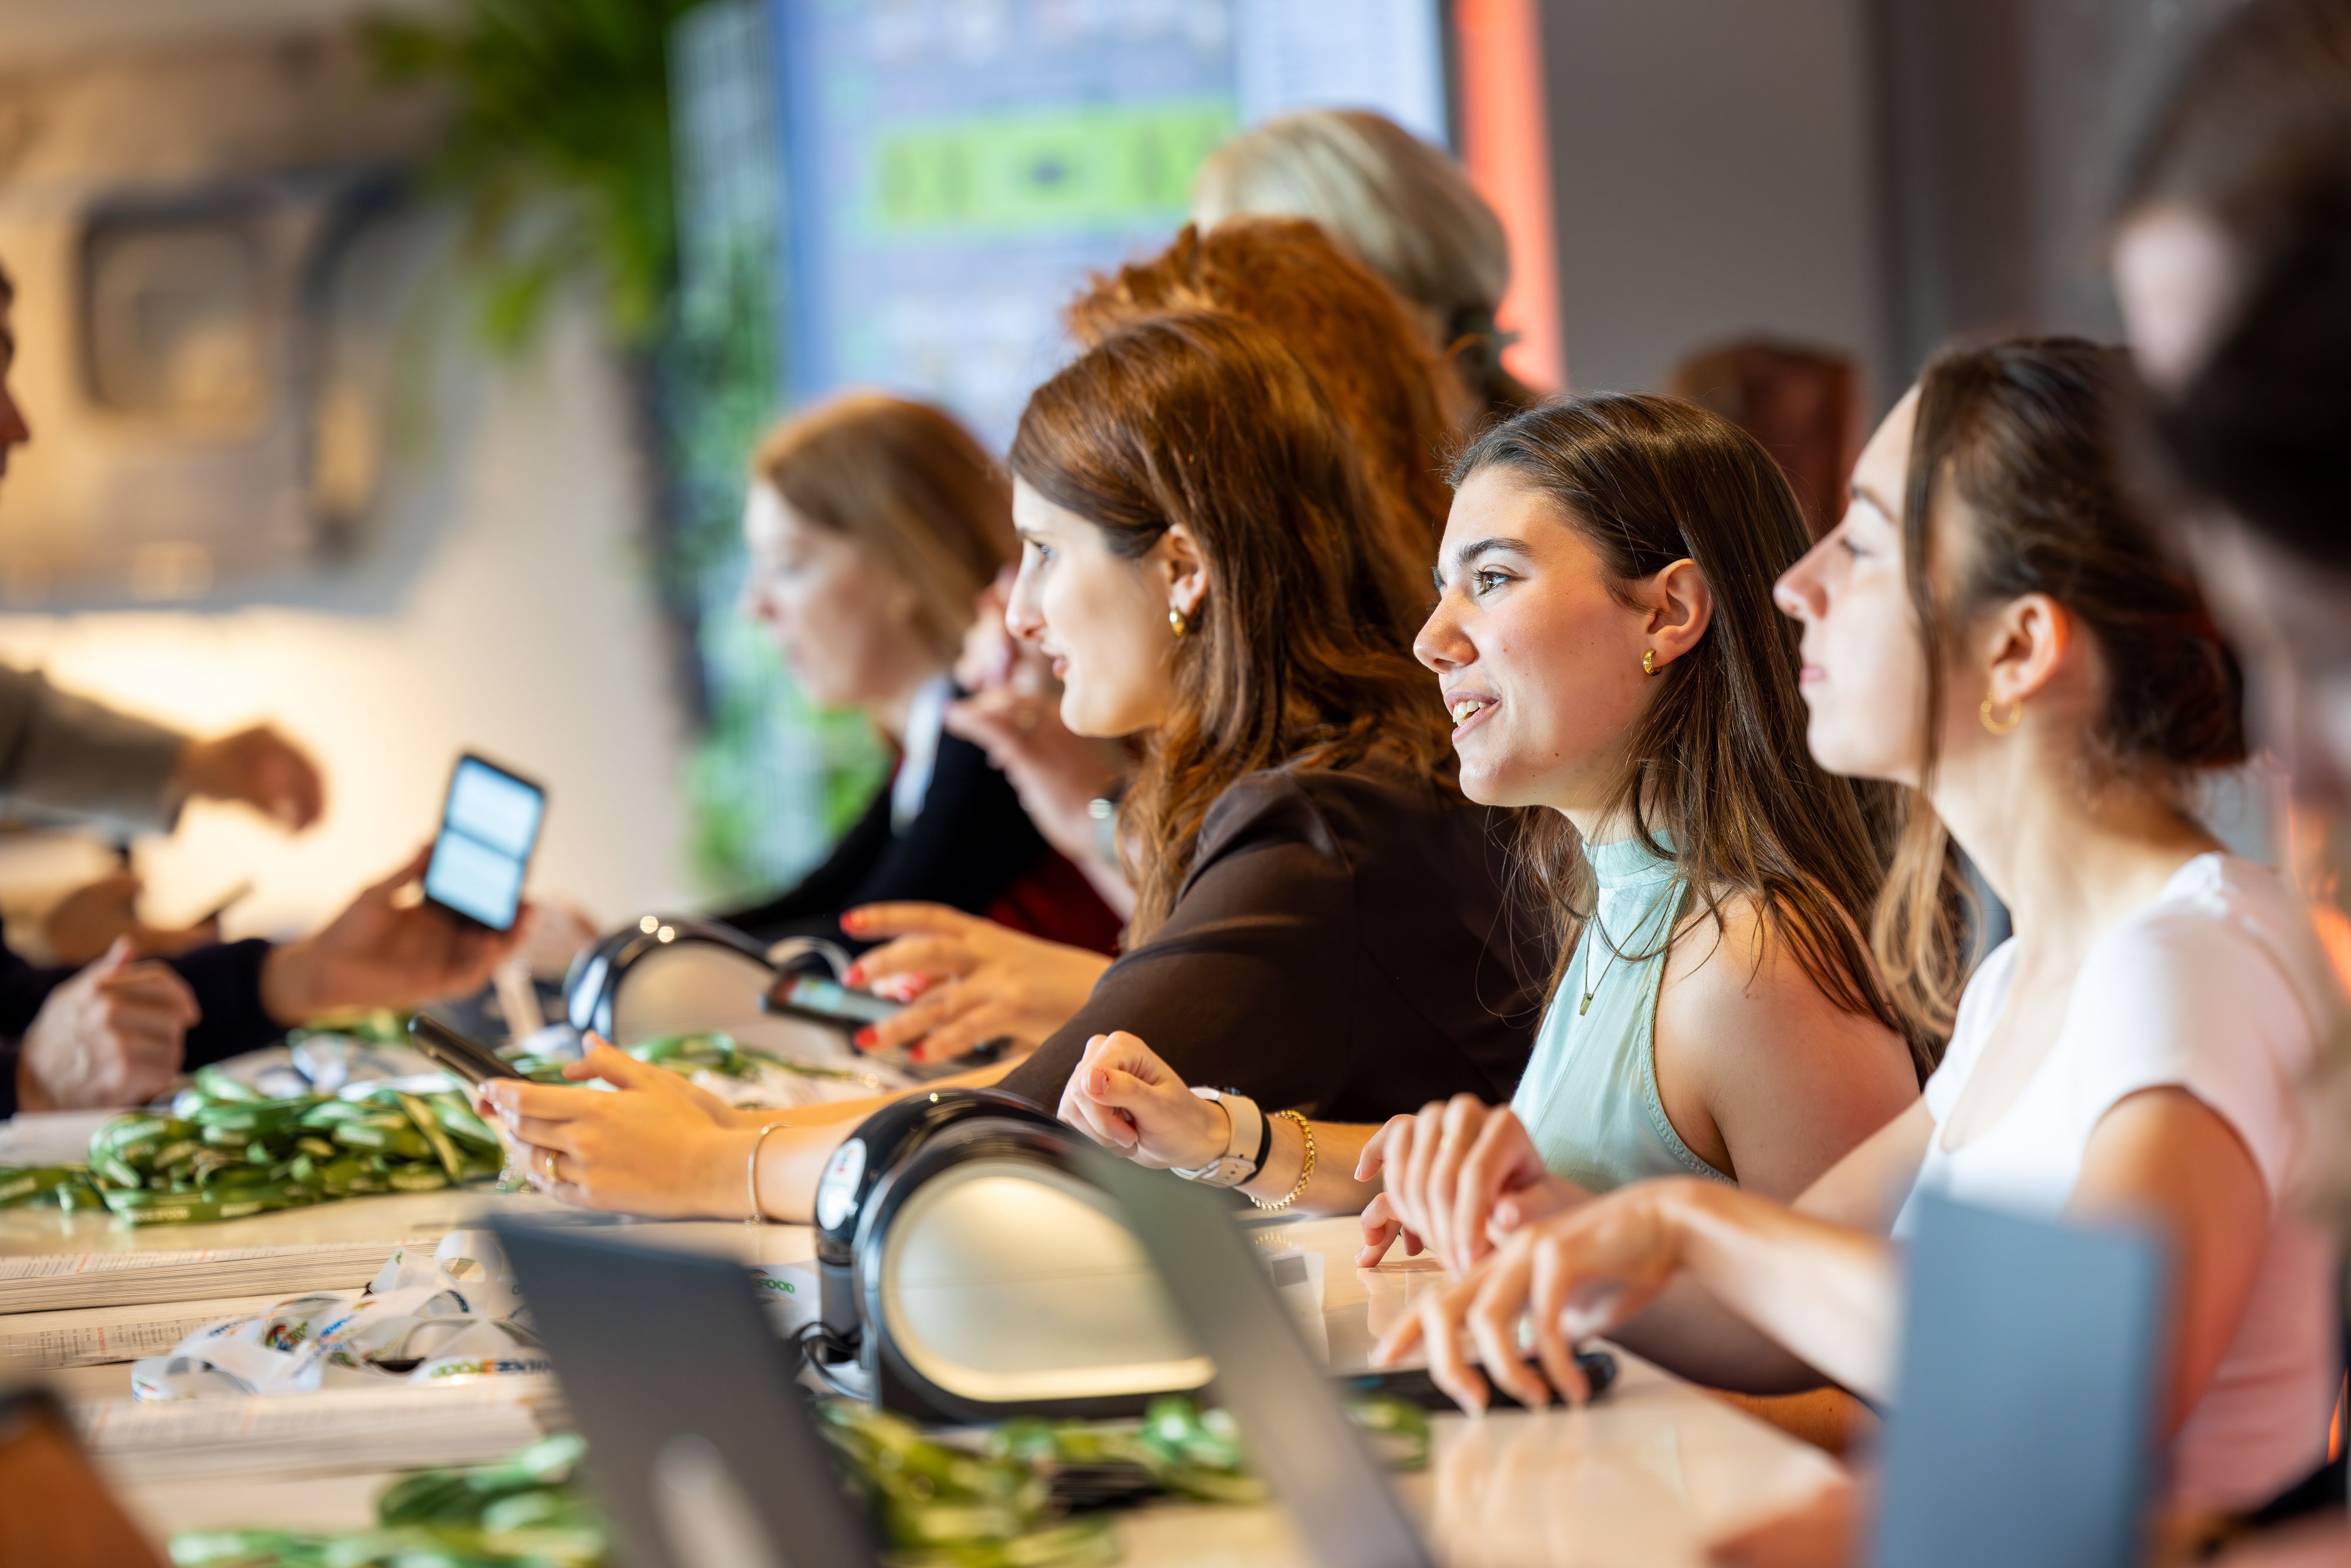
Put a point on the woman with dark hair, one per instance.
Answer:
(1990, 628)
(1607, 644)
(1320, 919)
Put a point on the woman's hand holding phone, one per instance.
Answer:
(659, 1147)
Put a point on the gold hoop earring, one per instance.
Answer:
(2001, 725)
(1177, 622)
(1649, 663)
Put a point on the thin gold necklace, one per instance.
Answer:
(1593, 987)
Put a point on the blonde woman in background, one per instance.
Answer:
(872, 524)
(1403, 208)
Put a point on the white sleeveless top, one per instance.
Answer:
(2217, 986)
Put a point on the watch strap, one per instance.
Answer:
(1246, 1143)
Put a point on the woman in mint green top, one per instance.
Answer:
(1589, 1100)
(1606, 642)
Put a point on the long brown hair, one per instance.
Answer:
(909, 485)
(1717, 776)
(2022, 434)
(1345, 324)
(1299, 653)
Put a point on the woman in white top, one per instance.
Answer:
(2134, 1050)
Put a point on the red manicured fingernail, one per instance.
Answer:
(865, 1037)
(852, 920)
(853, 975)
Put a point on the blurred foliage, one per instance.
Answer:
(559, 147)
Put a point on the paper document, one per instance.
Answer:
(333, 1431)
(52, 1281)
(95, 1336)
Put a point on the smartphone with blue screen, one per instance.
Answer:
(489, 825)
(827, 1001)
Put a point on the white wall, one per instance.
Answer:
(525, 629)
(1712, 164)
(498, 601)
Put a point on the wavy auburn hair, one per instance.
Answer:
(1345, 324)
(1717, 777)
(1299, 653)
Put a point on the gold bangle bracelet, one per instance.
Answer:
(751, 1173)
(1305, 1173)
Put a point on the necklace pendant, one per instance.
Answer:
(1587, 1005)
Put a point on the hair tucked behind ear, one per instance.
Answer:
(1718, 765)
(1300, 650)
(2022, 435)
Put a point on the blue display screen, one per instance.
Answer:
(489, 829)
(954, 170)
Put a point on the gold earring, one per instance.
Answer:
(1175, 622)
(1649, 663)
(2001, 725)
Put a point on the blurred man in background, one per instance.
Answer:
(118, 1031)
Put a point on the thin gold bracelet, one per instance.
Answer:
(1306, 1172)
(751, 1173)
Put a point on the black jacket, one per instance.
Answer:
(969, 843)
(1342, 947)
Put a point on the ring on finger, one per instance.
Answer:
(547, 1159)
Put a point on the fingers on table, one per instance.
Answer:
(1448, 1367)
(1494, 1303)
(1381, 1229)
(1458, 1126)
(1546, 1304)
(1478, 1185)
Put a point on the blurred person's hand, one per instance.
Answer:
(258, 767)
(386, 949)
(92, 918)
(1456, 1179)
(1057, 775)
(985, 981)
(112, 1035)
(992, 658)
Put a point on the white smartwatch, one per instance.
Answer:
(1244, 1146)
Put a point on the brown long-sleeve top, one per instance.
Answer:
(1342, 947)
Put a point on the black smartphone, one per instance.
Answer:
(473, 1062)
(1414, 1386)
(822, 1000)
(489, 825)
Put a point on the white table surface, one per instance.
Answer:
(1645, 1477)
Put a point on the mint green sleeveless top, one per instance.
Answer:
(1589, 1098)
